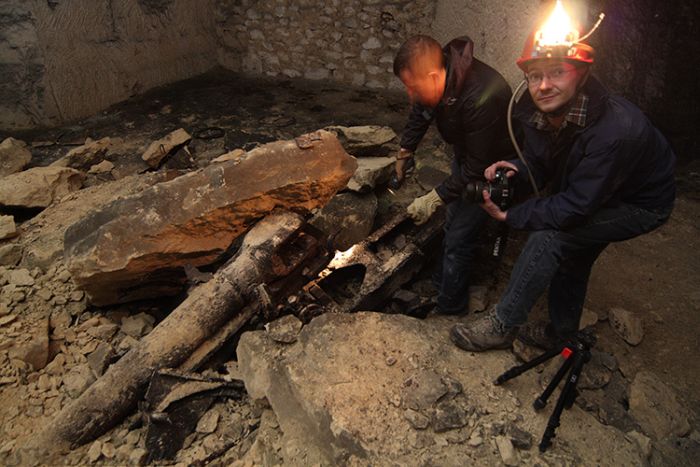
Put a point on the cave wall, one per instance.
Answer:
(63, 60)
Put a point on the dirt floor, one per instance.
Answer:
(655, 276)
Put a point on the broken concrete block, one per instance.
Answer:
(77, 380)
(368, 140)
(21, 277)
(14, 156)
(371, 172)
(449, 415)
(35, 352)
(627, 325)
(654, 405)
(101, 168)
(100, 358)
(85, 156)
(137, 325)
(159, 150)
(136, 247)
(39, 187)
(348, 218)
(209, 421)
(505, 448)
(10, 254)
(7, 227)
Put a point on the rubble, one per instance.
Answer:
(335, 403)
(199, 317)
(194, 219)
(465, 426)
(160, 149)
(655, 407)
(7, 227)
(14, 156)
(35, 350)
(371, 172)
(626, 325)
(101, 168)
(368, 140)
(91, 153)
(10, 254)
(39, 187)
(505, 448)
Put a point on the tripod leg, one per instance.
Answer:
(541, 401)
(520, 369)
(566, 398)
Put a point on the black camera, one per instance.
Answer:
(501, 193)
(500, 190)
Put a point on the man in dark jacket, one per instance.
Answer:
(610, 178)
(468, 100)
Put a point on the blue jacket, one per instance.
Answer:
(617, 157)
(471, 117)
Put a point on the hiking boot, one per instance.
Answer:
(539, 334)
(484, 333)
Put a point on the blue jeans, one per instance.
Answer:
(562, 260)
(462, 225)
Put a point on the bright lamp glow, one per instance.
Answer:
(558, 29)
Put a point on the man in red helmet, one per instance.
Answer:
(609, 177)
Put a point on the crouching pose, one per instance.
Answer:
(609, 176)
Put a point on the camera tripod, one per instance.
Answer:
(576, 352)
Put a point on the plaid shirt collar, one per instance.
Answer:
(576, 114)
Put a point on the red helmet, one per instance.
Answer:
(533, 50)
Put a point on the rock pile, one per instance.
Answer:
(348, 389)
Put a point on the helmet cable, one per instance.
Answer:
(516, 95)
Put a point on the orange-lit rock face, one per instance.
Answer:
(135, 248)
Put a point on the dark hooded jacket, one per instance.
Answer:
(617, 157)
(471, 117)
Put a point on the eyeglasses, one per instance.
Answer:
(534, 78)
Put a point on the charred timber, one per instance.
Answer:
(206, 310)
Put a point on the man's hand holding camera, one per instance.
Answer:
(491, 208)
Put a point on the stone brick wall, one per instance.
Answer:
(352, 41)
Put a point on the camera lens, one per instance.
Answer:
(473, 190)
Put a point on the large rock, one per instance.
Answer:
(14, 156)
(39, 187)
(368, 140)
(42, 236)
(398, 391)
(348, 218)
(655, 407)
(136, 247)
